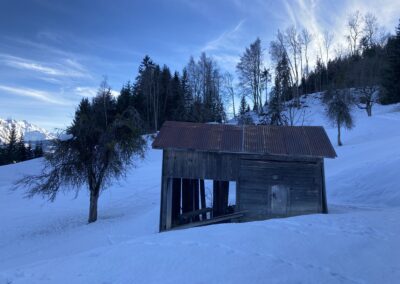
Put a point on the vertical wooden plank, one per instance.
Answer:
(196, 197)
(168, 224)
(163, 204)
(187, 196)
(216, 191)
(163, 198)
(176, 200)
(220, 197)
(225, 196)
(324, 199)
(203, 198)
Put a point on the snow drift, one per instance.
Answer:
(357, 242)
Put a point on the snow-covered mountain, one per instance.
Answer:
(30, 131)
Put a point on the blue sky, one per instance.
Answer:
(52, 53)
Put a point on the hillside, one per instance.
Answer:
(30, 131)
(357, 242)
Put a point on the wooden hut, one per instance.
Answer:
(278, 172)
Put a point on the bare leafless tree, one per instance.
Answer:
(327, 41)
(306, 39)
(339, 50)
(354, 26)
(229, 91)
(250, 69)
(293, 44)
(370, 29)
(366, 78)
(295, 115)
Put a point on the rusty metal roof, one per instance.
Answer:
(307, 141)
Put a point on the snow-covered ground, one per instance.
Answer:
(358, 242)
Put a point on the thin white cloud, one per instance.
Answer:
(227, 40)
(290, 11)
(226, 48)
(86, 91)
(35, 94)
(90, 92)
(65, 68)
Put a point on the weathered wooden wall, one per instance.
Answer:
(297, 183)
(201, 165)
(261, 181)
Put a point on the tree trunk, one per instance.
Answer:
(94, 197)
(369, 109)
(338, 136)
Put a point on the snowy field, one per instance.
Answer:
(358, 242)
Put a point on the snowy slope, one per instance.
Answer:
(358, 242)
(30, 131)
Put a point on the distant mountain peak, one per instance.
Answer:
(30, 131)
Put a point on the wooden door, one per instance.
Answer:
(279, 200)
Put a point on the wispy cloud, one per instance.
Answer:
(227, 46)
(227, 40)
(65, 68)
(90, 92)
(35, 94)
(86, 91)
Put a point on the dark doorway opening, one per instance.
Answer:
(197, 201)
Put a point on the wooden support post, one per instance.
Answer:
(324, 199)
(220, 197)
(187, 196)
(203, 198)
(168, 224)
(176, 200)
(163, 204)
(224, 196)
(215, 198)
(196, 198)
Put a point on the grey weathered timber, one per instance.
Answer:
(267, 186)
(223, 218)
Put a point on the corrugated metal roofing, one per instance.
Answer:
(308, 141)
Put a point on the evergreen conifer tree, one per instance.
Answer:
(102, 145)
(38, 151)
(22, 154)
(12, 145)
(243, 106)
(391, 74)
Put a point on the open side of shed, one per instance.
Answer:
(278, 171)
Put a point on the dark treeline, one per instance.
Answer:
(370, 67)
(373, 66)
(201, 93)
(16, 150)
(159, 95)
(365, 73)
